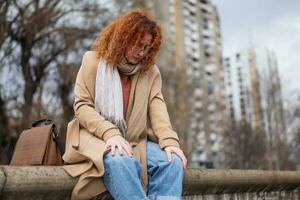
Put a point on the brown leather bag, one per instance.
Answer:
(39, 145)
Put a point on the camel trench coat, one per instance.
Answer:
(88, 131)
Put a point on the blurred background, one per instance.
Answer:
(230, 73)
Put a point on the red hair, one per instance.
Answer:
(123, 34)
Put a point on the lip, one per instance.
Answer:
(136, 59)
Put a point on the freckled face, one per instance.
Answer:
(140, 50)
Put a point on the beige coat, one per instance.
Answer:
(88, 131)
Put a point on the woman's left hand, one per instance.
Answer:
(172, 149)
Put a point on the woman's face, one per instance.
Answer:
(138, 52)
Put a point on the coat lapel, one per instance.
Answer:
(134, 80)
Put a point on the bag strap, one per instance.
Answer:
(56, 138)
(41, 122)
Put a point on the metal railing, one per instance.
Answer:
(52, 182)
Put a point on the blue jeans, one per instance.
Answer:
(122, 175)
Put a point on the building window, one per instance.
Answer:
(210, 87)
(197, 83)
(238, 57)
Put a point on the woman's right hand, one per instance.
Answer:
(119, 142)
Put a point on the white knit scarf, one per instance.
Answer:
(108, 91)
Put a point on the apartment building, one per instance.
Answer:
(192, 54)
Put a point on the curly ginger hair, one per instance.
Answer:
(123, 34)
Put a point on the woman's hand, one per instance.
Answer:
(178, 151)
(120, 142)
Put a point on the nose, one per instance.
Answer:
(140, 54)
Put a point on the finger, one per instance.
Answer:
(113, 150)
(127, 148)
(169, 155)
(185, 160)
(120, 149)
(106, 146)
(182, 157)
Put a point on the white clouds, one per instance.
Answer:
(282, 35)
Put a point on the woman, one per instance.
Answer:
(121, 139)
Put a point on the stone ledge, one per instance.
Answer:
(52, 182)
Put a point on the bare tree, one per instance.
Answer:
(41, 47)
(293, 130)
(277, 145)
(246, 148)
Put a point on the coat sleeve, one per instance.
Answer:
(159, 117)
(84, 108)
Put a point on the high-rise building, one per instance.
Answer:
(243, 89)
(192, 54)
(253, 91)
(206, 95)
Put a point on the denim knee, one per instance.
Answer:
(120, 161)
(176, 162)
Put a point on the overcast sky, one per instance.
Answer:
(273, 24)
